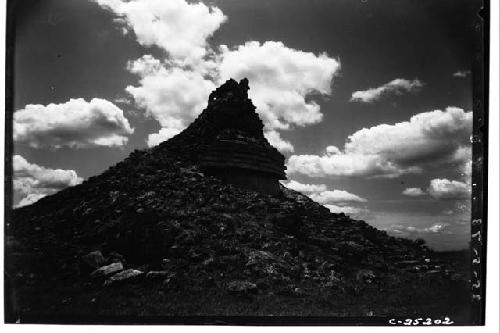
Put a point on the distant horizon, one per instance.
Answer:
(371, 103)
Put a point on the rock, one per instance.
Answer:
(208, 261)
(94, 259)
(171, 278)
(291, 290)
(158, 274)
(91, 261)
(124, 276)
(115, 257)
(241, 287)
(166, 264)
(352, 246)
(365, 276)
(108, 270)
(264, 263)
(434, 272)
(408, 263)
(258, 256)
(299, 292)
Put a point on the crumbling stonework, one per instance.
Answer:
(230, 142)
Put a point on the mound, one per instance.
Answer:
(164, 232)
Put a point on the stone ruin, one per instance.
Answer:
(230, 144)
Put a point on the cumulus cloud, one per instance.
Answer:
(332, 150)
(345, 165)
(280, 79)
(348, 210)
(163, 135)
(31, 198)
(76, 123)
(413, 192)
(464, 155)
(337, 201)
(402, 229)
(320, 193)
(306, 188)
(396, 86)
(462, 73)
(171, 95)
(284, 82)
(32, 182)
(435, 227)
(278, 142)
(179, 27)
(445, 189)
(335, 196)
(429, 138)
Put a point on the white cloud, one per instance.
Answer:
(464, 156)
(349, 210)
(30, 199)
(402, 229)
(163, 135)
(429, 138)
(462, 73)
(296, 186)
(345, 165)
(33, 182)
(320, 193)
(332, 150)
(280, 79)
(278, 142)
(335, 196)
(179, 27)
(446, 189)
(122, 100)
(76, 123)
(435, 228)
(337, 201)
(396, 86)
(171, 95)
(174, 90)
(413, 192)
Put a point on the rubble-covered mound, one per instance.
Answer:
(155, 235)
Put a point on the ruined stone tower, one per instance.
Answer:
(230, 144)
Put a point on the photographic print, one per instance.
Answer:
(291, 162)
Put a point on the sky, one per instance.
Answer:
(369, 101)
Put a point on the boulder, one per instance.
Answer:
(127, 275)
(93, 260)
(107, 270)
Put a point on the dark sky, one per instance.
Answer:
(74, 49)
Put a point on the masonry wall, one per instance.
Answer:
(252, 180)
